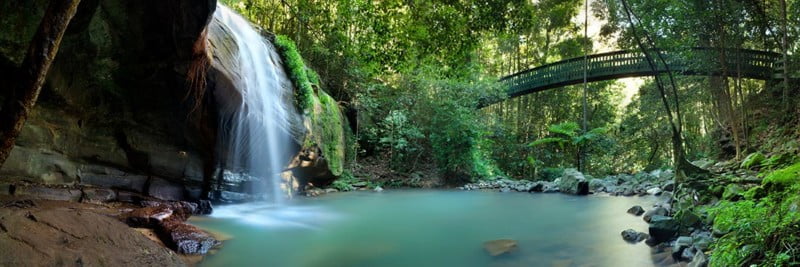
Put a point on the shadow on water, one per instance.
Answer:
(431, 228)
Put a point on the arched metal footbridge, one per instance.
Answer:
(743, 63)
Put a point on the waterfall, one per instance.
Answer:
(256, 128)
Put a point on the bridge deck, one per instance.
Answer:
(623, 64)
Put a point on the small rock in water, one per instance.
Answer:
(500, 246)
(654, 191)
(632, 236)
(636, 210)
(378, 189)
(505, 190)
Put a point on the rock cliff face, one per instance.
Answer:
(117, 110)
(114, 111)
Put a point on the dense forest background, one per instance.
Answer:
(411, 73)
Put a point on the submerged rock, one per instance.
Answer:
(500, 246)
(636, 210)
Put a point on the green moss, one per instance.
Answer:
(783, 177)
(753, 160)
(327, 129)
(297, 71)
(329, 132)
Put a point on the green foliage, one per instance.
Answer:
(297, 71)
(345, 182)
(760, 229)
(550, 174)
(399, 137)
(568, 134)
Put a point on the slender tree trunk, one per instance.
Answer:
(682, 167)
(42, 51)
(785, 37)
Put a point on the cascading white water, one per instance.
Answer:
(256, 134)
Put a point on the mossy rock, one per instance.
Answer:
(782, 178)
(733, 192)
(325, 122)
(753, 160)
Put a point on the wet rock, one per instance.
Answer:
(229, 196)
(597, 185)
(499, 247)
(331, 190)
(378, 189)
(550, 188)
(313, 192)
(150, 217)
(663, 228)
(681, 243)
(98, 195)
(185, 238)
(699, 260)
(204, 207)
(669, 186)
(505, 190)
(687, 254)
(573, 182)
(48, 193)
(633, 236)
(658, 211)
(628, 192)
(654, 191)
(536, 188)
(183, 209)
(636, 210)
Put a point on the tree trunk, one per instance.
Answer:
(785, 37)
(42, 51)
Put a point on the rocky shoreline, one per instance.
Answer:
(48, 224)
(676, 238)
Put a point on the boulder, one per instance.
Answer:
(597, 185)
(636, 210)
(682, 243)
(633, 236)
(500, 246)
(537, 187)
(573, 182)
(657, 211)
(378, 189)
(654, 191)
(663, 228)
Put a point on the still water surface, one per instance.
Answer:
(430, 228)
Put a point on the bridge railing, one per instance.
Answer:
(621, 64)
